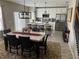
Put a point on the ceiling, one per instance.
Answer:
(41, 3)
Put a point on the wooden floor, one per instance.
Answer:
(65, 51)
(53, 52)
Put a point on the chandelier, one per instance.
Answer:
(24, 14)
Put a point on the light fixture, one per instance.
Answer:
(45, 15)
(24, 14)
(45, 6)
(34, 9)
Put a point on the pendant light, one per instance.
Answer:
(45, 6)
(45, 15)
(24, 14)
(34, 9)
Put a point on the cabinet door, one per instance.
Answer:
(61, 17)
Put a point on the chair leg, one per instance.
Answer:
(21, 51)
(10, 49)
(45, 49)
(6, 44)
(29, 53)
(17, 49)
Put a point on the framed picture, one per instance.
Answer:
(69, 15)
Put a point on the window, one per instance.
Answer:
(61, 17)
(19, 23)
(1, 20)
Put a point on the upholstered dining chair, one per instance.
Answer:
(26, 45)
(13, 42)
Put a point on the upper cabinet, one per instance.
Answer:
(51, 11)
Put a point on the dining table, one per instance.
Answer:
(36, 37)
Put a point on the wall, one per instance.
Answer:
(72, 38)
(8, 9)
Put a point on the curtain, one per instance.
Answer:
(1, 20)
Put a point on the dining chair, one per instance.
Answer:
(34, 29)
(6, 31)
(13, 42)
(42, 28)
(5, 38)
(26, 45)
(43, 44)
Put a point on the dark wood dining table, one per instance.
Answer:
(36, 37)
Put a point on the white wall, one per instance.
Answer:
(8, 9)
(52, 11)
(72, 38)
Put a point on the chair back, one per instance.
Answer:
(7, 31)
(45, 39)
(13, 41)
(25, 42)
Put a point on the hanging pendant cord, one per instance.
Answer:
(45, 6)
(24, 5)
(28, 9)
(34, 3)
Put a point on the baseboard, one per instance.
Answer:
(71, 52)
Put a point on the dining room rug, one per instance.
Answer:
(53, 52)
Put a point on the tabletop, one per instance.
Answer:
(35, 36)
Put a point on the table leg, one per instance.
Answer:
(6, 44)
(37, 49)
